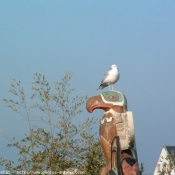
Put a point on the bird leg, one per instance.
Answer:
(109, 86)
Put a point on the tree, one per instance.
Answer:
(168, 163)
(57, 144)
(142, 168)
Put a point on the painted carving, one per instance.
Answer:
(116, 133)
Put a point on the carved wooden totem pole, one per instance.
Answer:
(116, 133)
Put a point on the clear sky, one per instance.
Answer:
(86, 37)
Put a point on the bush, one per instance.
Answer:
(58, 144)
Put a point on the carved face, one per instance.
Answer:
(107, 100)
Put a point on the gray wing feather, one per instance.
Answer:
(105, 76)
(102, 85)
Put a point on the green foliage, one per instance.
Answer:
(168, 163)
(142, 168)
(94, 158)
(58, 144)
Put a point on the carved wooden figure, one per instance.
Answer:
(117, 121)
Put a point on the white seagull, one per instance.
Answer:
(110, 77)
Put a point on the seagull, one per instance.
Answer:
(110, 77)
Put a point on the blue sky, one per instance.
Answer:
(86, 38)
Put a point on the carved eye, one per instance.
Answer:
(112, 97)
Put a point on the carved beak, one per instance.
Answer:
(96, 102)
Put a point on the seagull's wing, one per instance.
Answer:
(103, 83)
(105, 76)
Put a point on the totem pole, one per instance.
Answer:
(116, 133)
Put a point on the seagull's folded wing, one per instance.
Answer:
(104, 77)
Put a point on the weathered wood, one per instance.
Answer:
(116, 121)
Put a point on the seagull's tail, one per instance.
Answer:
(99, 88)
(102, 86)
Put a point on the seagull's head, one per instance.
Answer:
(113, 66)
